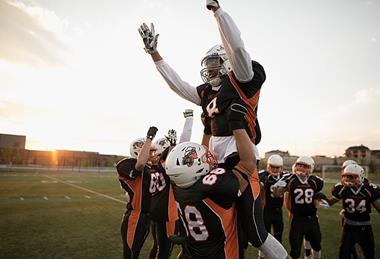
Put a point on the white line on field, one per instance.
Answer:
(88, 197)
(67, 197)
(46, 198)
(21, 198)
(85, 189)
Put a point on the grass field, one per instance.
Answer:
(77, 215)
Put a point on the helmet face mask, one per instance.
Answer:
(215, 64)
(352, 175)
(275, 164)
(303, 166)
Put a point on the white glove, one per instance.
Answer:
(212, 3)
(280, 183)
(149, 38)
(188, 113)
(324, 204)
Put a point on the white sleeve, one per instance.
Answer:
(239, 58)
(187, 130)
(180, 87)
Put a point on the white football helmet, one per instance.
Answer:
(275, 164)
(353, 175)
(161, 144)
(187, 162)
(348, 162)
(303, 166)
(215, 64)
(136, 146)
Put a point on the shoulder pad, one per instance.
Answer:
(338, 184)
(125, 166)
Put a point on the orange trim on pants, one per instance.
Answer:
(133, 220)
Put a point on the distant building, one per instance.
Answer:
(12, 141)
(360, 154)
(276, 152)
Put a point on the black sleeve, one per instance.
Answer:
(375, 192)
(206, 121)
(126, 168)
(336, 191)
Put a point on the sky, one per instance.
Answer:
(74, 75)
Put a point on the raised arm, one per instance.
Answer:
(187, 127)
(174, 81)
(239, 58)
(144, 154)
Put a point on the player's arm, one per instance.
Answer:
(206, 121)
(239, 58)
(236, 121)
(174, 81)
(376, 205)
(145, 150)
(188, 126)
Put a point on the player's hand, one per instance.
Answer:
(324, 204)
(172, 137)
(151, 133)
(236, 114)
(212, 5)
(280, 184)
(149, 38)
(188, 113)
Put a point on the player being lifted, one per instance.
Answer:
(302, 187)
(357, 195)
(229, 75)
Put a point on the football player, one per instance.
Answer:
(302, 187)
(163, 211)
(229, 75)
(357, 196)
(134, 177)
(206, 194)
(272, 204)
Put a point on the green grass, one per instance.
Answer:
(82, 227)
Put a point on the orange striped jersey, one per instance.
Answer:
(207, 211)
(215, 102)
(136, 184)
(162, 205)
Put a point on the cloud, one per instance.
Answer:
(368, 95)
(31, 35)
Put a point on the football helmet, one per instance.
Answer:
(352, 175)
(214, 65)
(304, 166)
(275, 164)
(136, 146)
(161, 144)
(188, 162)
(348, 162)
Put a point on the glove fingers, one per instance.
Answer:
(152, 29)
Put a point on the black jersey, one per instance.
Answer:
(208, 213)
(301, 194)
(357, 201)
(162, 205)
(268, 180)
(136, 184)
(215, 102)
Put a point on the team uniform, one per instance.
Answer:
(304, 221)
(215, 101)
(163, 212)
(208, 214)
(357, 225)
(135, 223)
(272, 205)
